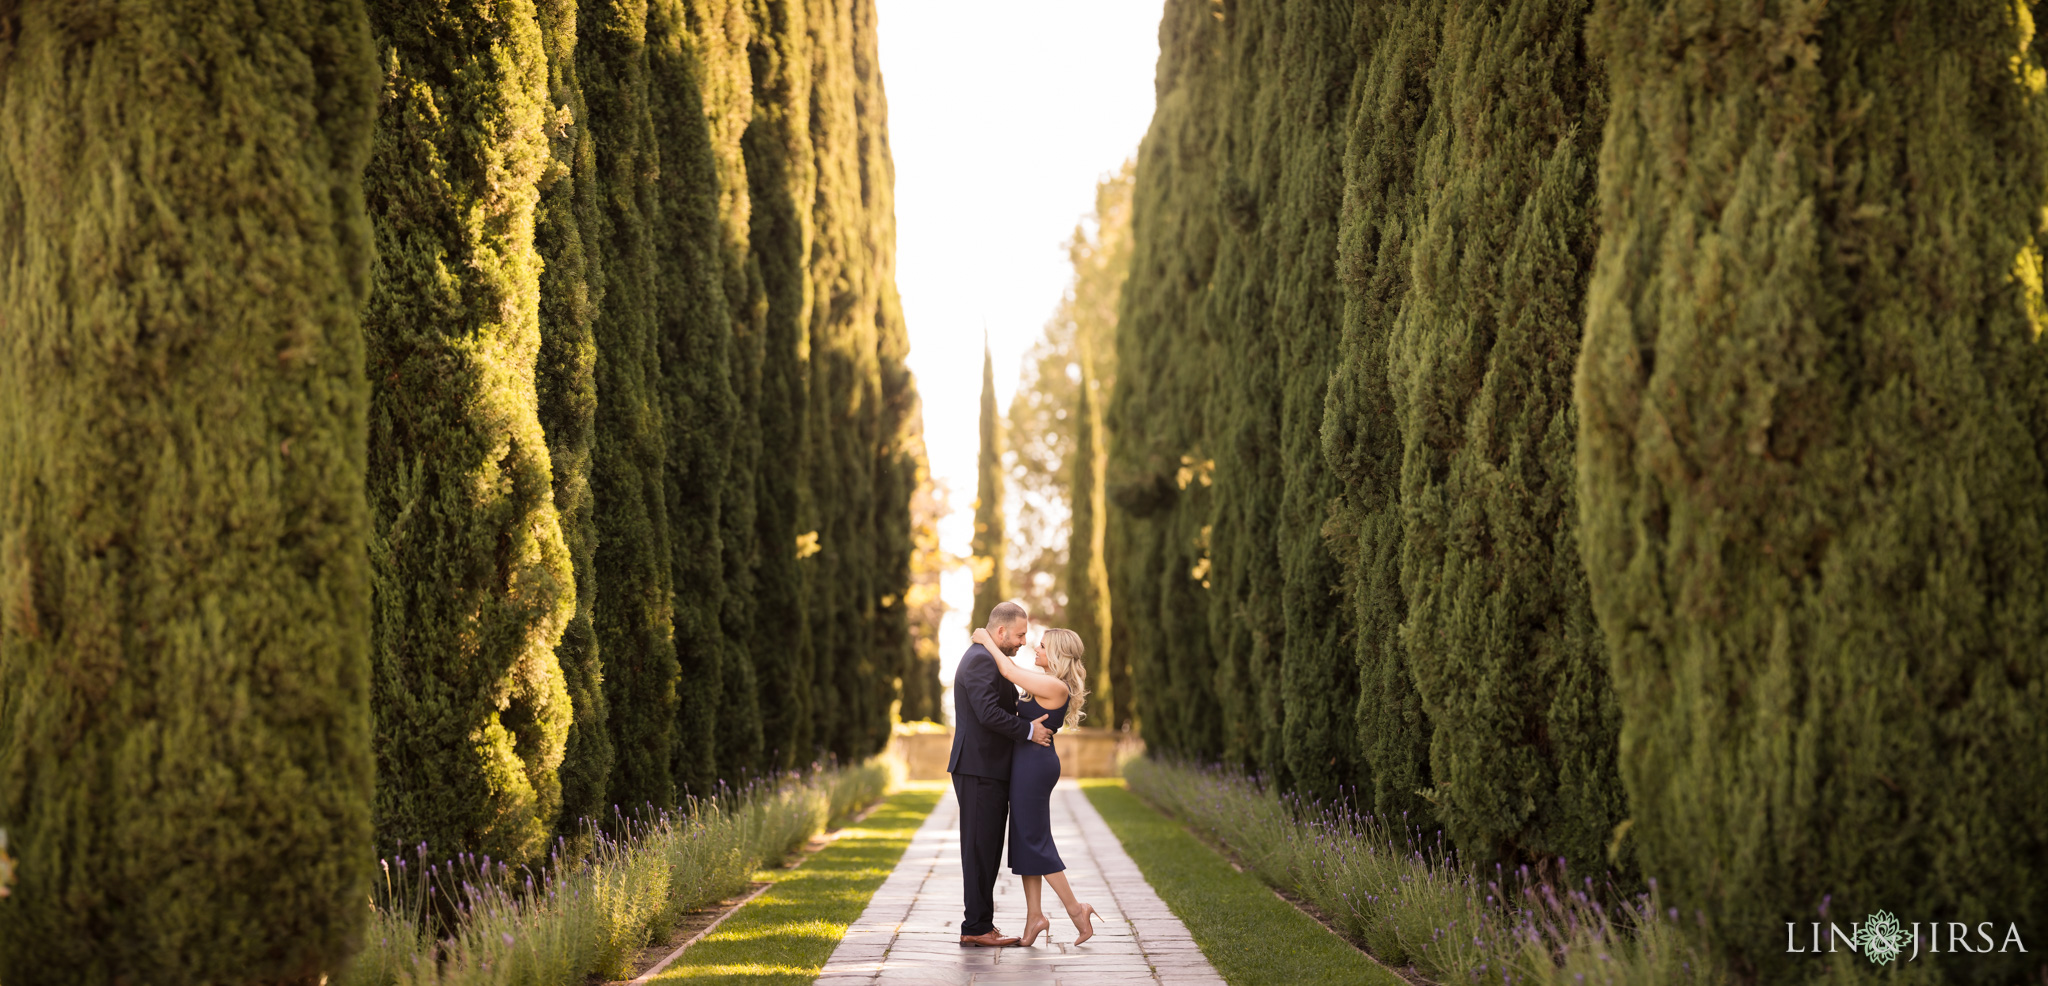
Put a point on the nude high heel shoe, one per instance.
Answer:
(1033, 928)
(1083, 922)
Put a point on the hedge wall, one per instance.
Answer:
(1811, 449)
(1675, 500)
(455, 435)
(1500, 635)
(471, 578)
(185, 675)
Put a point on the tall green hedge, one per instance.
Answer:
(628, 463)
(923, 696)
(855, 682)
(780, 181)
(990, 542)
(898, 675)
(1500, 634)
(471, 575)
(517, 473)
(565, 224)
(1087, 577)
(1247, 629)
(720, 33)
(1276, 311)
(1361, 436)
(1811, 449)
(185, 758)
(1160, 469)
(1313, 52)
(693, 333)
(1286, 682)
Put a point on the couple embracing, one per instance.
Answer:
(1004, 768)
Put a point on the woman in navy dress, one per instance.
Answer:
(1057, 690)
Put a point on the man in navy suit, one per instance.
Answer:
(986, 729)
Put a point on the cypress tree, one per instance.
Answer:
(741, 742)
(1159, 472)
(1313, 59)
(872, 655)
(1811, 462)
(1087, 577)
(1276, 313)
(1246, 628)
(828, 550)
(899, 468)
(1360, 433)
(923, 695)
(1102, 264)
(852, 691)
(1117, 572)
(1500, 633)
(693, 331)
(628, 480)
(722, 32)
(1100, 267)
(471, 575)
(571, 289)
(900, 452)
(185, 758)
(1245, 619)
(990, 540)
(780, 183)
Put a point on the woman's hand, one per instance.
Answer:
(981, 637)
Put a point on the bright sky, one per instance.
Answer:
(1002, 118)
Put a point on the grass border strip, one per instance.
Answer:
(1263, 939)
(779, 939)
(655, 969)
(1407, 974)
(823, 841)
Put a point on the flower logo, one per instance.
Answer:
(1880, 937)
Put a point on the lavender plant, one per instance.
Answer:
(473, 920)
(1402, 892)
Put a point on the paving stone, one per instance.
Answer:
(910, 933)
(853, 967)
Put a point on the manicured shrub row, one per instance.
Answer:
(990, 558)
(1608, 431)
(411, 427)
(186, 768)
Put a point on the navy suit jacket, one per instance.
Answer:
(986, 728)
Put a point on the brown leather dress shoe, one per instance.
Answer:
(993, 939)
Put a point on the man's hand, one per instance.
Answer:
(1039, 734)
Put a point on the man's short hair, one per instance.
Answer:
(1006, 613)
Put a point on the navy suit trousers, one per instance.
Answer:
(984, 817)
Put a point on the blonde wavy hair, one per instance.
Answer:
(1063, 650)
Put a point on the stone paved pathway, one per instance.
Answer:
(909, 935)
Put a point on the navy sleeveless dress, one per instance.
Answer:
(1034, 770)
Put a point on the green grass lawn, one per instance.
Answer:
(785, 935)
(1252, 937)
